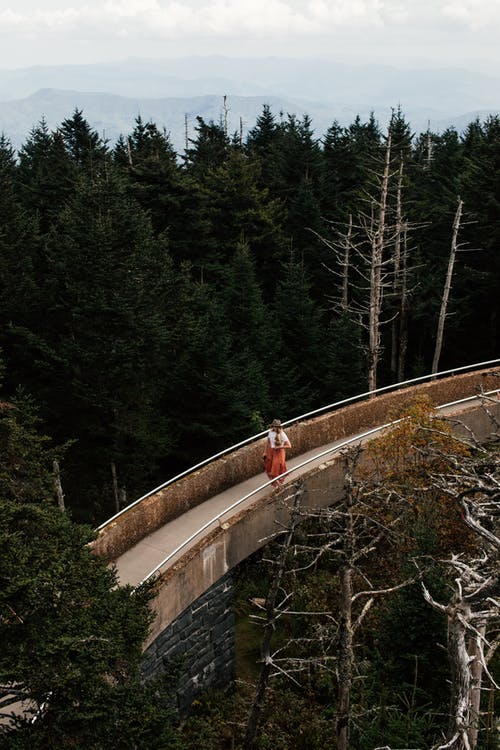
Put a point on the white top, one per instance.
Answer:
(272, 438)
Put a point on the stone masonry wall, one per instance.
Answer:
(200, 643)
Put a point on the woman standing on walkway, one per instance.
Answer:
(275, 457)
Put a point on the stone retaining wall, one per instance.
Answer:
(200, 644)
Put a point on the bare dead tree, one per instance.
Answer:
(401, 289)
(341, 244)
(378, 239)
(225, 111)
(405, 308)
(348, 533)
(361, 534)
(447, 286)
(58, 486)
(273, 607)
(473, 612)
(429, 148)
(115, 486)
(186, 132)
(372, 255)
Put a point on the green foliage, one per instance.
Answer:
(83, 145)
(25, 455)
(408, 656)
(401, 725)
(47, 175)
(209, 149)
(98, 322)
(239, 210)
(71, 636)
(297, 344)
(72, 639)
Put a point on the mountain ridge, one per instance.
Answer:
(111, 95)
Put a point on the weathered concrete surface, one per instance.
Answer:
(241, 535)
(158, 509)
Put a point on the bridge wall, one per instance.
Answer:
(199, 645)
(186, 592)
(139, 521)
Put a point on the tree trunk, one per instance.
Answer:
(269, 627)
(378, 244)
(403, 326)
(58, 486)
(476, 679)
(398, 271)
(460, 708)
(345, 267)
(447, 287)
(345, 654)
(115, 487)
(345, 658)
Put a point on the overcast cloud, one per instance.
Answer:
(63, 31)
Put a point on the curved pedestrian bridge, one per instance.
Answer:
(190, 532)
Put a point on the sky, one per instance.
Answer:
(407, 33)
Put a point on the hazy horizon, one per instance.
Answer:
(400, 33)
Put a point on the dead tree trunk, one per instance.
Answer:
(476, 680)
(447, 287)
(58, 486)
(271, 607)
(473, 612)
(345, 267)
(460, 713)
(115, 487)
(397, 285)
(345, 653)
(464, 710)
(377, 253)
(405, 307)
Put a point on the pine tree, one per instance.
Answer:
(298, 349)
(101, 291)
(47, 175)
(238, 209)
(478, 285)
(250, 355)
(209, 149)
(155, 175)
(84, 146)
(263, 144)
(71, 637)
(17, 242)
(172, 197)
(337, 178)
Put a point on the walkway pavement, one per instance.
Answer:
(141, 559)
(135, 564)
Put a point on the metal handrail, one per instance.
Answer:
(336, 404)
(326, 452)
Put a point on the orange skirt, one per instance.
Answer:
(275, 462)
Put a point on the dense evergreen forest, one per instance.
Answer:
(366, 625)
(156, 307)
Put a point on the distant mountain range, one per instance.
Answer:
(111, 95)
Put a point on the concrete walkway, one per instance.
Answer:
(141, 559)
(135, 564)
